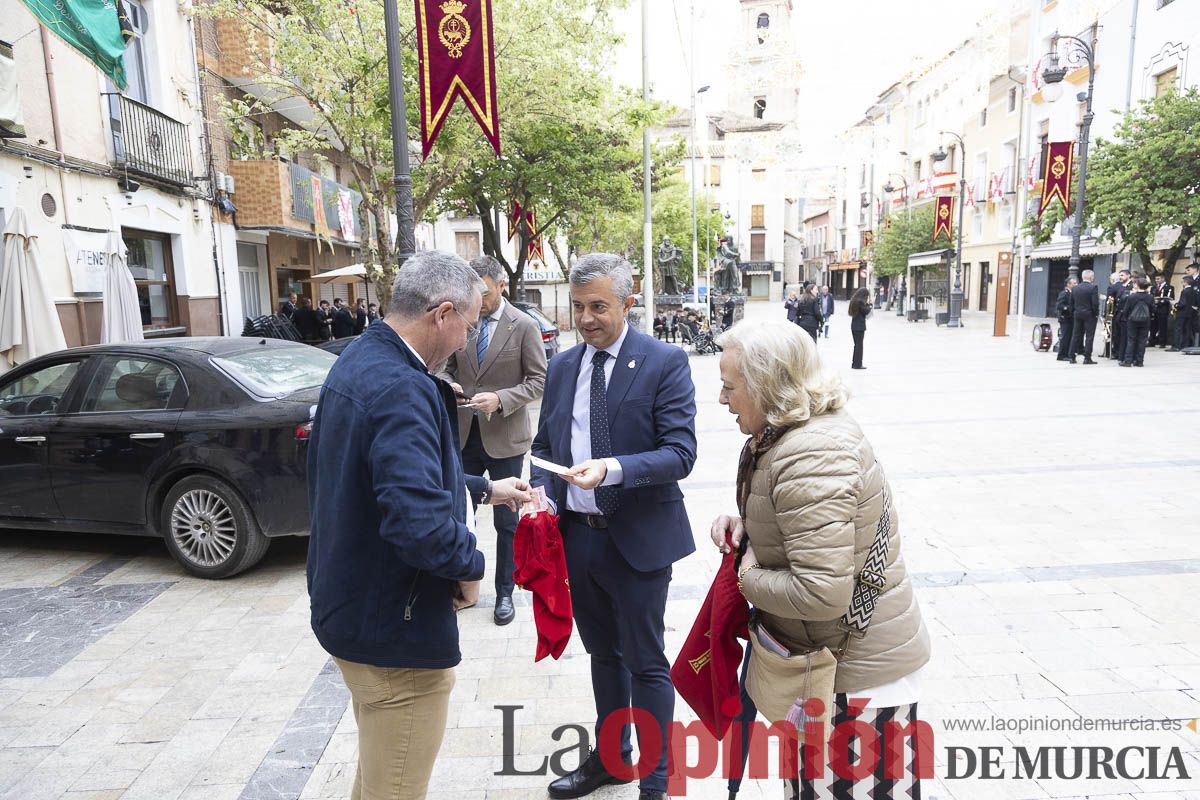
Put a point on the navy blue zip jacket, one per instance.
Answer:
(388, 501)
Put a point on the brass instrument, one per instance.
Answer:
(1110, 310)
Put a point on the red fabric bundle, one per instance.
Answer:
(541, 568)
(706, 672)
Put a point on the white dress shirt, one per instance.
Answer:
(584, 500)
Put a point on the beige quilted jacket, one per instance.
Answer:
(814, 506)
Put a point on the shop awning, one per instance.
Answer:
(1063, 249)
(930, 258)
(844, 265)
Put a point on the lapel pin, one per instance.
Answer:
(632, 364)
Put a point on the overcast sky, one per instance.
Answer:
(851, 49)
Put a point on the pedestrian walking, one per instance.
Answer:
(390, 554)
(808, 313)
(1062, 308)
(501, 372)
(813, 506)
(1187, 310)
(791, 305)
(1138, 314)
(1085, 311)
(621, 408)
(1164, 297)
(826, 308)
(860, 309)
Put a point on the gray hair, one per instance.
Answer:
(1087, 275)
(430, 278)
(488, 267)
(601, 265)
(783, 372)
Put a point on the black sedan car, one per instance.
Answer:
(201, 441)
(549, 329)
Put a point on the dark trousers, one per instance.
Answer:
(810, 328)
(1119, 330)
(1083, 334)
(856, 360)
(1185, 329)
(1160, 331)
(620, 616)
(476, 461)
(1066, 328)
(1136, 336)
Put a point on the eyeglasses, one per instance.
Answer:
(472, 327)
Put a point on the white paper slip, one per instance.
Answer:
(549, 466)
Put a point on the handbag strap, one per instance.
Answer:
(870, 580)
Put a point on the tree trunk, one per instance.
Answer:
(1176, 251)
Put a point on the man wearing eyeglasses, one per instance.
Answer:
(391, 556)
(502, 371)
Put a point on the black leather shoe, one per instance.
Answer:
(1089, 361)
(590, 776)
(504, 613)
(650, 794)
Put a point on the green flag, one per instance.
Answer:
(89, 26)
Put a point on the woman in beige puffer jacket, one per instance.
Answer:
(815, 499)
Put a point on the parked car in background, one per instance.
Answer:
(202, 441)
(336, 346)
(548, 328)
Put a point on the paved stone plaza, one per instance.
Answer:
(1049, 515)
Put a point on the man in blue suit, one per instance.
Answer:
(621, 408)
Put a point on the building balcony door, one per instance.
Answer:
(985, 281)
(251, 259)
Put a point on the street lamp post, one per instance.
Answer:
(695, 248)
(956, 292)
(406, 243)
(1053, 76)
(888, 188)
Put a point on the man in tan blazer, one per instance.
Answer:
(502, 370)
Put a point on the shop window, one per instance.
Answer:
(154, 276)
(757, 213)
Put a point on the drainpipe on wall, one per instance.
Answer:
(206, 143)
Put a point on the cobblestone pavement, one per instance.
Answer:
(1049, 514)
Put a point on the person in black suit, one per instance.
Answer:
(306, 321)
(1115, 296)
(1085, 311)
(808, 313)
(288, 307)
(1062, 308)
(727, 312)
(1164, 296)
(325, 320)
(343, 320)
(860, 309)
(1186, 311)
(1137, 310)
(360, 317)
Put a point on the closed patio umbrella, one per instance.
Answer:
(29, 324)
(122, 321)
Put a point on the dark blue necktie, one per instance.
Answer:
(606, 496)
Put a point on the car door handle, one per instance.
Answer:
(146, 436)
(30, 440)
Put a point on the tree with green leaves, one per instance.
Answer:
(1147, 179)
(902, 236)
(330, 56)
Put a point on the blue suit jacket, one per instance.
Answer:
(652, 424)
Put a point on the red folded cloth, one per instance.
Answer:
(541, 567)
(706, 672)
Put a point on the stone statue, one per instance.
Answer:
(666, 262)
(729, 279)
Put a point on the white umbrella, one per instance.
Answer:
(29, 324)
(122, 321)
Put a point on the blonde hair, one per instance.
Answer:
(783, 372)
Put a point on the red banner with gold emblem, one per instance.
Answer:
(515, 213)
(943, 217)
(1056, 175)
(456, 59)
(535, 243)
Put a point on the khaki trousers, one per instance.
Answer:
(401, 716)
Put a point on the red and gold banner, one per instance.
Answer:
(456, 59)
(1056, 176)
(943, 217)
(535, 243)
(514, 219)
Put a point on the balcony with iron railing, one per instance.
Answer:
(148, 143)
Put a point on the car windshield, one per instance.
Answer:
(277, 371)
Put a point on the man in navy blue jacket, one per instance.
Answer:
(390, 556)
(620, 407)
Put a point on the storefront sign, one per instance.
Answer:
(87, 259)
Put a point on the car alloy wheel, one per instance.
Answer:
(203, 527)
